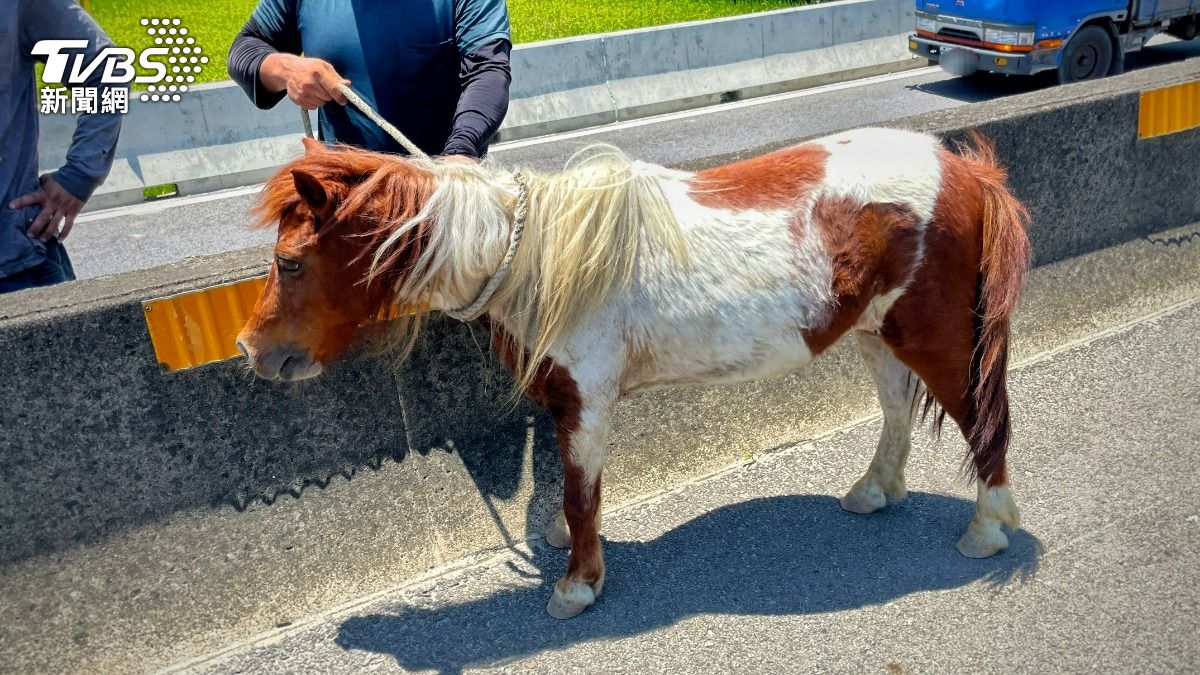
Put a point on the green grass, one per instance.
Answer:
(214, 24)
(160, 191)
(534, 20)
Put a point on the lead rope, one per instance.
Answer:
(472, 311)
(357, 101)
(475, 309)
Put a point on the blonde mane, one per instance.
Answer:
(585, 230)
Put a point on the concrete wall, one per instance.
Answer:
(148, 517)
(215, 138)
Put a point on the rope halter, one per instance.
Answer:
(473, 310)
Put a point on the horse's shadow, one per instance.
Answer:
(771, 556)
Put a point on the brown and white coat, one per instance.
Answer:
(741, 272)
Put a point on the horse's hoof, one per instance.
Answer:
(863, 500)
(572, 597)
(559, 535)
(982, 540)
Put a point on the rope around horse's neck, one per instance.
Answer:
(357, 101)
(473, 310)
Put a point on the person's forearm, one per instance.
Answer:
(90, 157)
(93, 148)
(94, 143)
(486, 77)
(251, 49)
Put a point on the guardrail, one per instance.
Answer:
(148, 517)
(215, 138)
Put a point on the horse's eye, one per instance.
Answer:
(285, 265)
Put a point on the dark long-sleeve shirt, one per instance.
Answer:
(22, 24)
(437, 70)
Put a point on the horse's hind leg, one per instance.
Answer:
(899, 390)
(994, 507)
(940, 353)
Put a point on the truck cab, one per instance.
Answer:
(1081, 39)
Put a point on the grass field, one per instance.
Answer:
(214, 24)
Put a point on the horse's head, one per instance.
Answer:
(333, 208)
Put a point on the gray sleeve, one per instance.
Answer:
(485, 76)
(272, 28)
(90, 156)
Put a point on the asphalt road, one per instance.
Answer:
(757, 569)
(147, 235)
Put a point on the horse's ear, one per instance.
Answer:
(313, 194)
(312, 146)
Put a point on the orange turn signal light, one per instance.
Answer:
(1008, 48)
(1052, 43)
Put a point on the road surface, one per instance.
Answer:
(757, 570)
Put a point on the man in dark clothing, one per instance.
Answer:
(437, 69)
(37, 213)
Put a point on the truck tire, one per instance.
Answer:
(1088, 56)
(1185, 28)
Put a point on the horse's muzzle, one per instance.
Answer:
(286, 362)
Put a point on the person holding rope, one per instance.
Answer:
(439, 70)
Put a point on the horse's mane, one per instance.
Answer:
(585, 229)
(362, 183)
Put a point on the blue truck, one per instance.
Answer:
(1081, 39)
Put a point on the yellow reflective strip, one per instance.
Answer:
(1169, 110)
(206, 344)
(191, 329)
(198, 327)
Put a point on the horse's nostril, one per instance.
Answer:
(242, 348)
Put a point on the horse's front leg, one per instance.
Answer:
(582, 437)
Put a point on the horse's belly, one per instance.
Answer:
(717, 361)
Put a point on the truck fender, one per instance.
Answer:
(1108, 21)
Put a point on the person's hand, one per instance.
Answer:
(459, 159)
(310, 83)
(59, 207)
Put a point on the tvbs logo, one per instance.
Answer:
(166, 69)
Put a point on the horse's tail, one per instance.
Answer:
(1002, 267)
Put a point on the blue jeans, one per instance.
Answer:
(55, 269)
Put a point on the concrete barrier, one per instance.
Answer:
(215, 138)
(566, 84)
(147, 518)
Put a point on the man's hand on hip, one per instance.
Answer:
(310, 83)
(59, 208)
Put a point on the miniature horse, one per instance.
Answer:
(628, 277)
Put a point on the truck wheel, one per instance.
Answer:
(1088, 56)
(1185, 28)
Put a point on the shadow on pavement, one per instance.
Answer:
(987, 86)
(769, 556)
